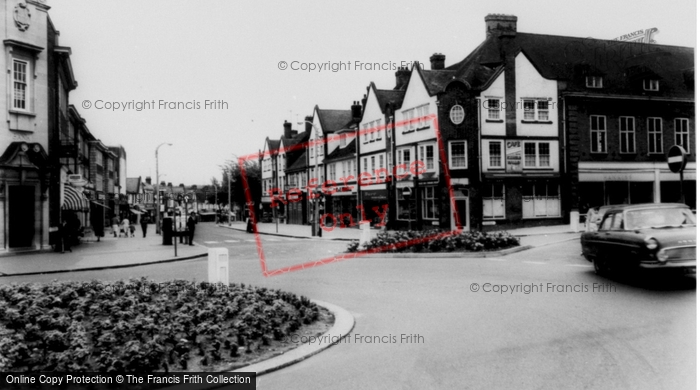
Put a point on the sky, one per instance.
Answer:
(146, 69)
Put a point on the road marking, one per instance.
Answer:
(534, 262)
(250, 240)
(230, 240)
(211, 242)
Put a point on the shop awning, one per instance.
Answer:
(74, 200)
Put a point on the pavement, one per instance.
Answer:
(111, 252)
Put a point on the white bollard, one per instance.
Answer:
(573, 220)
(364, 232)
(218, 265)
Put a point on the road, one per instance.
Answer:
(557, 325)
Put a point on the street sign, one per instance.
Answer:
(676, 158)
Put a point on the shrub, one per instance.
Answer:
(140, 325)
(437, 241)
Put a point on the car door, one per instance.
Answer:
(594, 243)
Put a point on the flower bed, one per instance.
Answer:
(142, 325)
(420, 241)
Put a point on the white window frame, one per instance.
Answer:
(602, 132)
(400, 159)
(408, 116)
(457, 114)
(450, 156)
(494, 199)
(425, 201)
(421, 112)
(657, 132)
(501, 155)
(377, 124)
(594, 81)
(537, 112)
(683, 133)
(493, 112)
(623, 124)
(365, 130)
(423, 155)
(28, 75)
(538, 155)
(650, 84)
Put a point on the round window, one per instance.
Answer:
(457, 114)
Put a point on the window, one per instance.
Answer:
(422, 113)
(681, 133)
(343, 140)
(427, 156)
(377, 125)
(381, 161)
(494, 106)
(373, 166)
(594, 81)
(458, 154)
(537, 155)
(364, 165)
(494, 201)
(408, 118)
(345, 168)
(20, 82)
(457, 114)
(365, 128)
(627, 134)
(495, 154)
(536, 110)
(598, 136)
(403, 156)
(650, 85)
(429, 203)
(541, 200)
(655, 131)
(332, 172)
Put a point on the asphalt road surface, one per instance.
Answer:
(538, 319)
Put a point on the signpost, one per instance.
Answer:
(677, 158)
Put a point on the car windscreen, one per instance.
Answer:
(659, 218)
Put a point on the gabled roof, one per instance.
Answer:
(386, 97)
(342, 153)
(333, 120)
(571, 59)
(299, 163)
(133, 185)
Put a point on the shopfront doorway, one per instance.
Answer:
(21, 216)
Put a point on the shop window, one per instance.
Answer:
(655, 133)
(627, 144)
(429, 203)
(494, 201)
(405, 205)
(682, 135)
(541, 200)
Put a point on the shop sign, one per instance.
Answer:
(514, 156)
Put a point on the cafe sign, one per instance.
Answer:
(514, 156)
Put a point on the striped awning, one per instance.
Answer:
(74, 200)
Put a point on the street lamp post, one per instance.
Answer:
(158, 190)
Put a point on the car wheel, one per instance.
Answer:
(599, 266)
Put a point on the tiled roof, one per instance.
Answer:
(299, 163)
(389, 96)
(132, 185)
(342, 153)
(622, 64)
(333, 120)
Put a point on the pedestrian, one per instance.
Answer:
(125, 226)
(144, 224)
(97, 226)
(115, 225)
(64, 230)
(132, 227)
(191, 221)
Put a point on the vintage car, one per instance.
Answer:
(595, 215)
(651, 236)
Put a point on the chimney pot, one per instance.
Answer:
(402, 76)
(437, 61)
(148, 180)
(309, 120)
(356, 109)
(287, 130)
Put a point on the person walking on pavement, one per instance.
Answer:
(144, 224)
(115, 225)
(65, 236)
(191, 221)
(125, 226)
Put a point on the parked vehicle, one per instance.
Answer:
(595, 215)
(651, 236)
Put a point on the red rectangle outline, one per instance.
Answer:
(346, 256)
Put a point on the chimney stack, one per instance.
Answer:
(148, 180)
(402, 76)
(500, 25)
(356, 111)
(309, 120)
(287, 130)
(437, 61)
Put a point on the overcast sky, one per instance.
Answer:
(230, 51)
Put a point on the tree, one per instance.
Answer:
(244, 176)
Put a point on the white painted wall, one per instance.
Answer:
(530, 84)
(497, 90)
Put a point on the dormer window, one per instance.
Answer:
(594, 81)
(651, 85)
